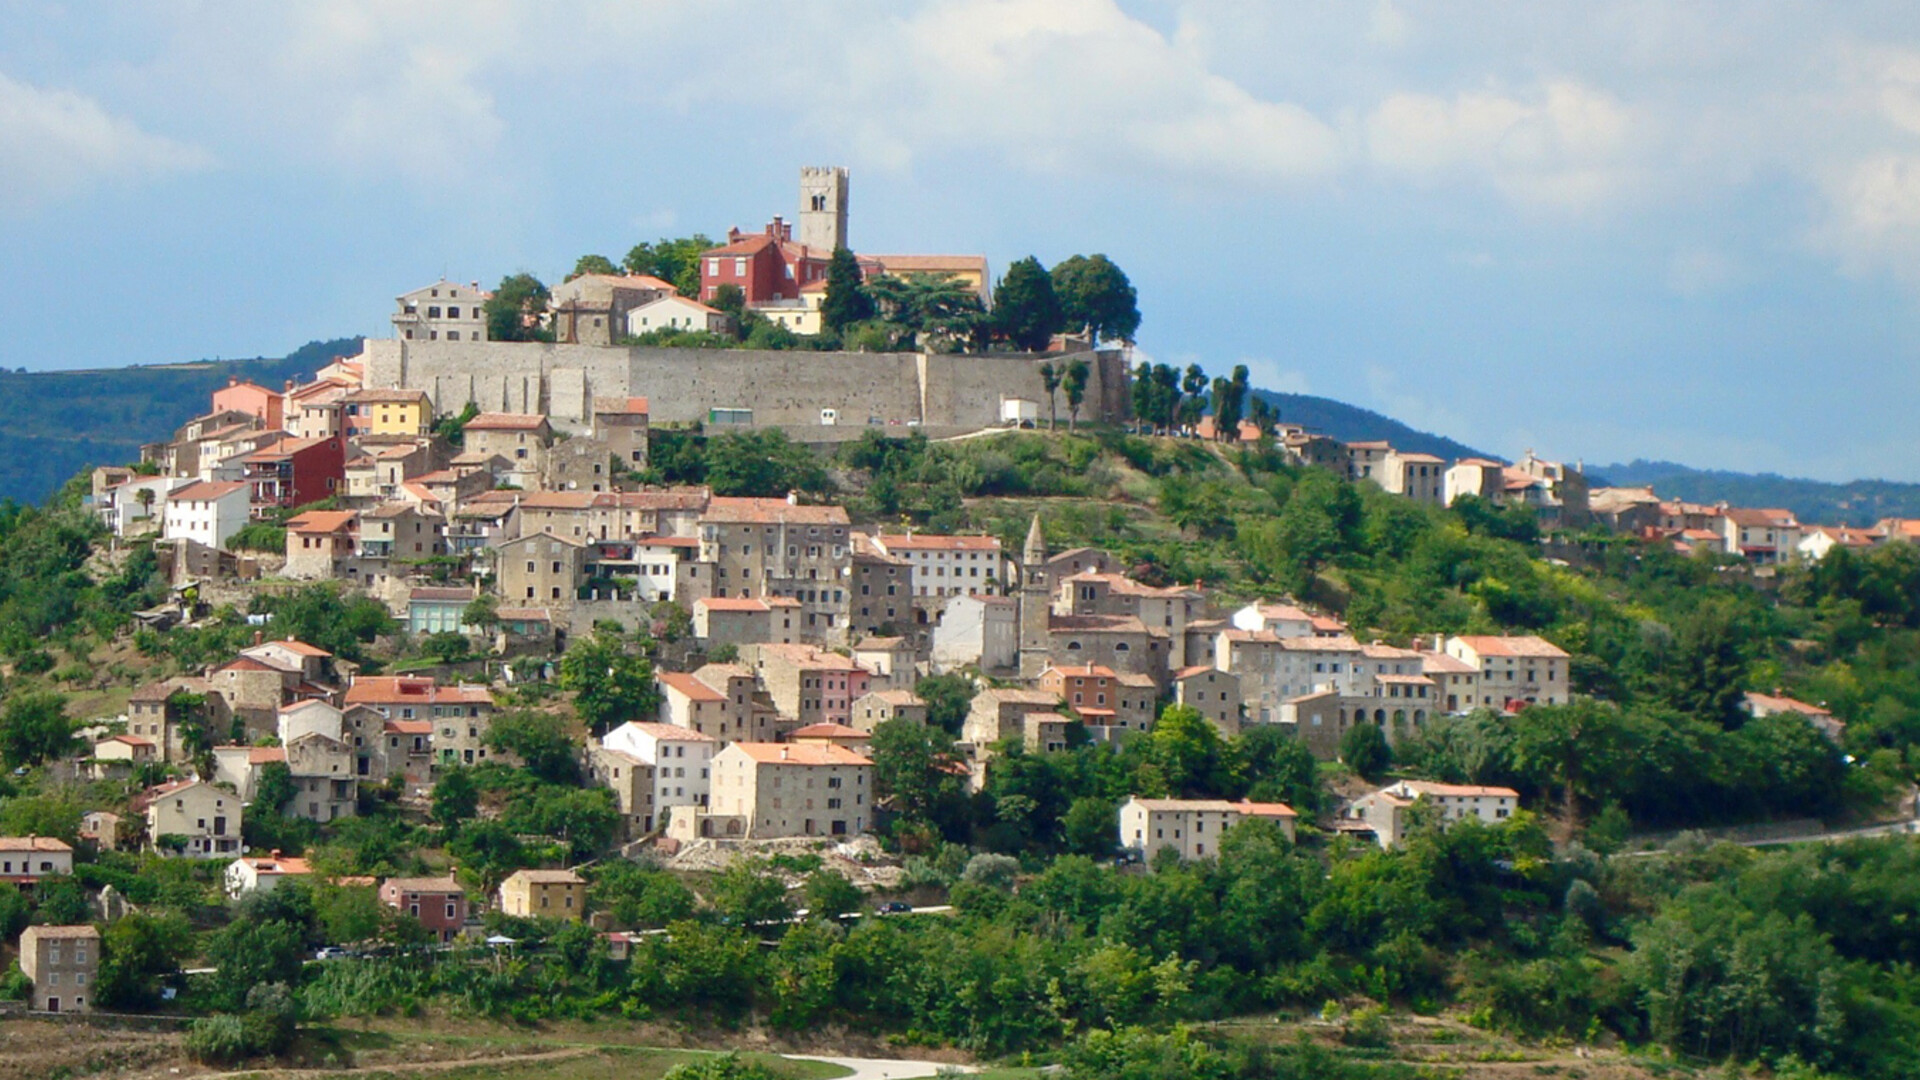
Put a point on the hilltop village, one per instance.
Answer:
(566, 620)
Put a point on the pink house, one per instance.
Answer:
(242, 395)
(439, 903)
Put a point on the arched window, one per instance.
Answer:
(1073, 646)
(1121, 646)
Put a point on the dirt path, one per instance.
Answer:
(402, 1067)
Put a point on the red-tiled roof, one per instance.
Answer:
(690, 686)
(205, 491)
(500, 421)
(799, 754)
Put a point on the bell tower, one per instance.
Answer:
(1036, 602)
(823, 207)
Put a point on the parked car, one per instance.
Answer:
(895, 907)
(332, 952)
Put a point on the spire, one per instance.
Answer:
(1036, 549)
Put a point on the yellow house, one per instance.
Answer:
(386, 412)
(550, 894)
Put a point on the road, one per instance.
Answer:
(885, 1068)
(1891, 828)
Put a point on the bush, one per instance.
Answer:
(218, 1040)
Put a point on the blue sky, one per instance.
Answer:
(1602, 231)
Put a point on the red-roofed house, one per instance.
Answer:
(1191, 827)
(244, 395)
(1764, 537)
(1823, 720)
(208, 512)
(1385, 811)
(1514, 671)
(763, 790)
(295, 472)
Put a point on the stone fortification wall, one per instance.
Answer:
(681, 385)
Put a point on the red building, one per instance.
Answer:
(295, 472)
(252, 399)
(767, 266)
(439, 903)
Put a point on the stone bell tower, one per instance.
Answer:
(823, 207)
(1036, 603)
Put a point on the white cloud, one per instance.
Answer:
(1874, 214)
(1568, 145)
(1696, 272)
(56, 142)
(1057, 87)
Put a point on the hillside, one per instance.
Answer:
(1350, 423)
(1858, 502)
(60, 422)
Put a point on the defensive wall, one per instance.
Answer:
(782, 388)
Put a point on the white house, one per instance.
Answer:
(681, 760)
(26, 859)
(1385, 811)
(138, 504)
(192, 818)
(675, 313)
(1277, 618)
(208, 512)
(977, 629)
(1192, 827)
(262, 875)
(1521, 668)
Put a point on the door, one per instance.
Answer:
(53, 1004)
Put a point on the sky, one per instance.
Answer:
(1602, 231)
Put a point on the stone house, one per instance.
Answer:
(876, 707)
(1212, 693)
(322, 545)
(1121, 642)
(521, 439)
(1191, 827)
(977, 631)
(325, 781)
(1386, 811)
(805, 683)
(765, 790)
(63, 963)
(665, 767)
(769, 548)
(443, 311)
(192, 818)
(1514, 670)
(544, 894)
(541, 569)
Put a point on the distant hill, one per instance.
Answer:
(1859, 502)
(59, 422)
(1350, 423)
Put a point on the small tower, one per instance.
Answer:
(823, 207)
(1035, 603)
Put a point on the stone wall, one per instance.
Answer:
(681, 385)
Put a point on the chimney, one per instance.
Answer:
(258, 637)
(275, 854)
(793, 498)
(783, 753)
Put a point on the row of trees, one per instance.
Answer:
(1169, 400)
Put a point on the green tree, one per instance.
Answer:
(137, 951)
(610, 684)
(540, 739)
(676, 261)
(846, 302)
(728, 1066)
(447, 646)
(763, 464)
(592, 264)
(1229, 403)
(34, 727)
(513, 311)
(1050, 379)
(1089, 825)
(746, 894)
(830, 895)
(41, 815)
(1075, 383)
(638, 895)
(275, 790)
(1025, 309)
(453, 426)
(1363, 748)
(482, 613)
(948, 698)
(456, 798)
(1096, 297)
(914, 771)
(250, 953)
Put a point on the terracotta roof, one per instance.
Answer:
(246, 663)
(1774, 704)
(425, 885)
(731, 603)
(879, 644)
(897, 697)
(439, 592)
(322, 521)
(294, 646)
(33, 843)
(377, 394)
(408, 727)
(727, 510)
(808, 656)
(689, 686)
(414, 689)
(206, 491)
(130, 740)
(86, 931)
(668, 732)
(1441, 662)
(1216, 806)
(1764, 519)
(1082, 671)
(799, 753)
(286, 447)
(1429, 787)
(501, 421)
(547, 877)
(1521, 645)
(828, 730)
(278, 866)
(929, 542)
(525, 614)
(631, 406)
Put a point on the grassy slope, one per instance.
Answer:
(59, 422)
